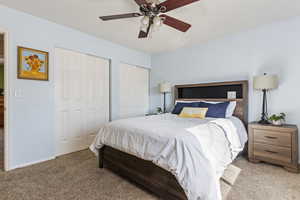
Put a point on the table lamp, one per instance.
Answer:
(265, 83)
(164, 89)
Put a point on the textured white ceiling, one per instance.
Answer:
(210, 19)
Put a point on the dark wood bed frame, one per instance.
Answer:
(153, 178)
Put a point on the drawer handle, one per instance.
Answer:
(274, 152)
(270, 137)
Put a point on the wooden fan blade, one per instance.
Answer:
(144, 34)
(141, 2)
(173, 4)
(175, 23)
(113, 17)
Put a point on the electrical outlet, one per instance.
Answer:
(231, 95)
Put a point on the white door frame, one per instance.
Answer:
(6, 99)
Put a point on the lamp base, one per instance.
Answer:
(264, 115)
(264, 121)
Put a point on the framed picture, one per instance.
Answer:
(33, 64)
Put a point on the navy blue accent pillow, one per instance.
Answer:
(180, 105)
(215, 110)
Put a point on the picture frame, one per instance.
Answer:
(33, 64)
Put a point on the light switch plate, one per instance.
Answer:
(231, 95)
(19, 93)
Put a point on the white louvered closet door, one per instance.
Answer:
(81, 99)
(134, 91)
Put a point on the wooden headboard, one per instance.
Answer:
(217, 92)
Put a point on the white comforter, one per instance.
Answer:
(195, 151)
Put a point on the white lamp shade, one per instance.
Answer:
(165, 87)
(265, 82)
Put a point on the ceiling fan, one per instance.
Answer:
(153, 15)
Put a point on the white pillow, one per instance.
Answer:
(230, 109)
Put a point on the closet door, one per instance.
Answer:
(134, 91)
(96, 95)
(81, 99)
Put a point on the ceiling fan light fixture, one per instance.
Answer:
(145, 20)
(144, 28)
(153, 13)
(157, 21)
(155, 28)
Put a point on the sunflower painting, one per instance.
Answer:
(32, 64)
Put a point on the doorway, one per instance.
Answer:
(2, 141)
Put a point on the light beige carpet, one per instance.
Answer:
(77, 177)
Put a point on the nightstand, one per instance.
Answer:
(274, 144)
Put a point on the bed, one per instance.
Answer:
(161, 153)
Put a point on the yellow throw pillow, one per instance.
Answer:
(192, 112)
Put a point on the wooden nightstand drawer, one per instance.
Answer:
(272, 137)
(282, 154)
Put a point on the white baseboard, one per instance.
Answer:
(30, 163)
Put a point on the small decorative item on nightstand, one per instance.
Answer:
(277, 120)
(159, 110)
(274, 144)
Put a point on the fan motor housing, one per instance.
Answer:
(151, 10)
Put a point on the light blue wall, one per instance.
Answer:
(273, 48)
(31, 113)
